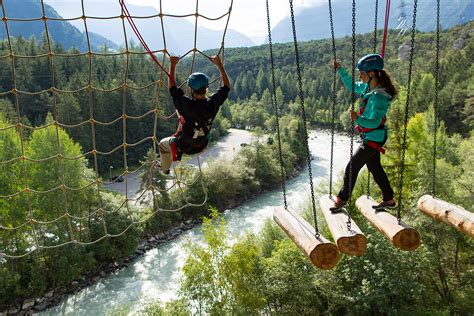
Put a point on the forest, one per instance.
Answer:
(259, 274)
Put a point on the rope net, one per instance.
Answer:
(66, 221)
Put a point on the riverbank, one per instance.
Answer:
(226, 148)
(172, 229)
(158, 242)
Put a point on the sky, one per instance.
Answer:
(248, 16)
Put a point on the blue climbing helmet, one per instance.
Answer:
(198, 80)
(370, 62)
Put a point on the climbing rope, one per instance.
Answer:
(436, 103)
(275, 108)
(374, 51)
(385, 28)
(36, 227)
(303, 116)
(407, 106)
(128, 16)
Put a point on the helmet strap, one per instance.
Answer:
(370, 80)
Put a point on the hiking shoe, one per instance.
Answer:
(166, 173)
(338, 205)
(384, 205)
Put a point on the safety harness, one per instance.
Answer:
(362, 130)
(177, 152)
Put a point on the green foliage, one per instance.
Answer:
(437, 278)
(106, 105)
(288, 272)
(222, 279)
(250, 70)
(55, 267)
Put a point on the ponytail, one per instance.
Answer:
(384, 80)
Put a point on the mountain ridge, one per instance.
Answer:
(309, 20)
(60, 31)
(179, 32)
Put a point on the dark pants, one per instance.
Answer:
(371, 157)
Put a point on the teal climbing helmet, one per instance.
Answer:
(198, 80)
(370, 62)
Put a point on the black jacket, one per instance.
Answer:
(198, 116)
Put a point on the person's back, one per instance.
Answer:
(196, 114)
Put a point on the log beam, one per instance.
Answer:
(400, 234)
(322, 253)
(451, 214)
(351, 242)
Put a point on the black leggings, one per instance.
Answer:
(371, 157)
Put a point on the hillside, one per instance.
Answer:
(61, 31)
(179, 32)
(250, 70)
(313, 23)
(106, 106)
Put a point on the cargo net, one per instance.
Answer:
(55, 182)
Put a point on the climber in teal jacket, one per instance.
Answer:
(375, 91)
(373, 104)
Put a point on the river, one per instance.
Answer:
(227, 148)
(156, 275)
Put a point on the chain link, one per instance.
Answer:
(435, 123)
(275, 108)
(375, 25)
(374, 51)
(407, 107)
(303, 116)
(351, 151)
(334, 100)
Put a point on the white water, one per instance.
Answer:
(156, 275)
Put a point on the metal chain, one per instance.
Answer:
(275, 108)
(435, 125)
(375, 25)
(351, 152)
(407, 106)
(334, 101)
(303, 116)
(374, 51)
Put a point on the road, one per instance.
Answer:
(226, 148)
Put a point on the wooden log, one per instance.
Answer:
(351, 242)
(451, 214)
(401, 235)
(322, 253)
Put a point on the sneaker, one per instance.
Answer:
(384, 205)
(338, 205)
(161, 171)
(166, 174)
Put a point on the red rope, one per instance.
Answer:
(384, 39)
(127, 15)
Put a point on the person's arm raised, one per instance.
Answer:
(225, 78)
(174, 60)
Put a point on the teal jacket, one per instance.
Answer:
(378, 102)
